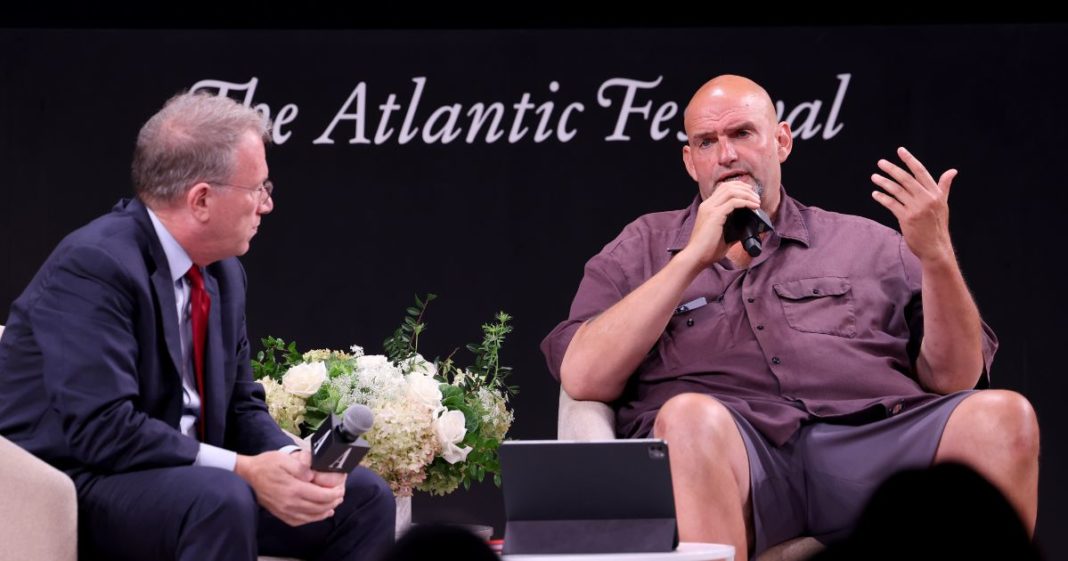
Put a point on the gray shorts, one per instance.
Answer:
(817, 483)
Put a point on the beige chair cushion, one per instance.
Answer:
(38, 511)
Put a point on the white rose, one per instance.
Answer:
(426, 390)
(450, 430)
(304, 379)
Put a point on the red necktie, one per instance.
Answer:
(200, 305)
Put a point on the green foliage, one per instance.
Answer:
(404, 343)
(267, 365)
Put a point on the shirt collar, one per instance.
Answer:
(789, 222)
(177, 259)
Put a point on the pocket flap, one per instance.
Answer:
(812, 288)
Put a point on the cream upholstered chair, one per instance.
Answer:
(593, 420)
(39, 508)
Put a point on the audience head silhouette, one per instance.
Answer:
(947, 511)
(431, 541)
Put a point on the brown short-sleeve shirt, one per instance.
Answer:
(824, 325)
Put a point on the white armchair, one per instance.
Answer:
(593, 420)
(39, 509)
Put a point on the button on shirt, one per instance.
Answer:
(824, 325)
(179, 262)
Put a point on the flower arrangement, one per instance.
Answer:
(437, 425)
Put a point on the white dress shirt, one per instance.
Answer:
(179, 262)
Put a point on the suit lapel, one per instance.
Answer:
(163, 285)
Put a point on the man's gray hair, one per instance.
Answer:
(193, 138)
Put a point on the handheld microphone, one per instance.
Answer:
(746, 225)
(337, 445)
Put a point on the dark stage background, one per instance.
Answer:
(505, 217)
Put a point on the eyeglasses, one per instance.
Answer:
(264, 190)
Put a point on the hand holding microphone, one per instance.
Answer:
(729, 214)
(746, 224)
(337, 446)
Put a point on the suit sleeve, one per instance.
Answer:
(83, 323)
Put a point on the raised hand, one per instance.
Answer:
(920, 204)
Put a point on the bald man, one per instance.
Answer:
(790, 384)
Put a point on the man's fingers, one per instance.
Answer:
(903, 178)
(919, 171)
(946, 181)
(300, 520)
(296, 464)
(316, 494)
(732, 190)
(891, 204)
(893, 188)
(328, 479)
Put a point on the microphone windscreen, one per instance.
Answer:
(358, 420)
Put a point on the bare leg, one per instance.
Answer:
(995, 432)
(710, 471)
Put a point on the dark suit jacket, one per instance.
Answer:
(88, 362)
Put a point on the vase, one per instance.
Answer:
(404, 515)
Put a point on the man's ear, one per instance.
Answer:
(198, 201)
(687, 160)
(784, 140)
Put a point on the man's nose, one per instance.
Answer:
(726, 152)
(267, 206)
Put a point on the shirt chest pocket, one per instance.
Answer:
(819, 305)
(694, 332)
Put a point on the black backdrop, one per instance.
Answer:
(360, 227)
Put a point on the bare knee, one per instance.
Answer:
(999, 422)
(692, 415)
(708, 460)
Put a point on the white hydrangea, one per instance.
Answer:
(316, 355)
(285, 408)
(375, 380)
(498, 418)
(403, 443)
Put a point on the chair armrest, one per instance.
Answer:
(39, 510)
(584, 420)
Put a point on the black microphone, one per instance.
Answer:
(337, 445)
(746, 224)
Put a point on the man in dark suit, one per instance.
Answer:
(126, 364)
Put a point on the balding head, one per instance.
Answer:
(194, 137)
(727, 91)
